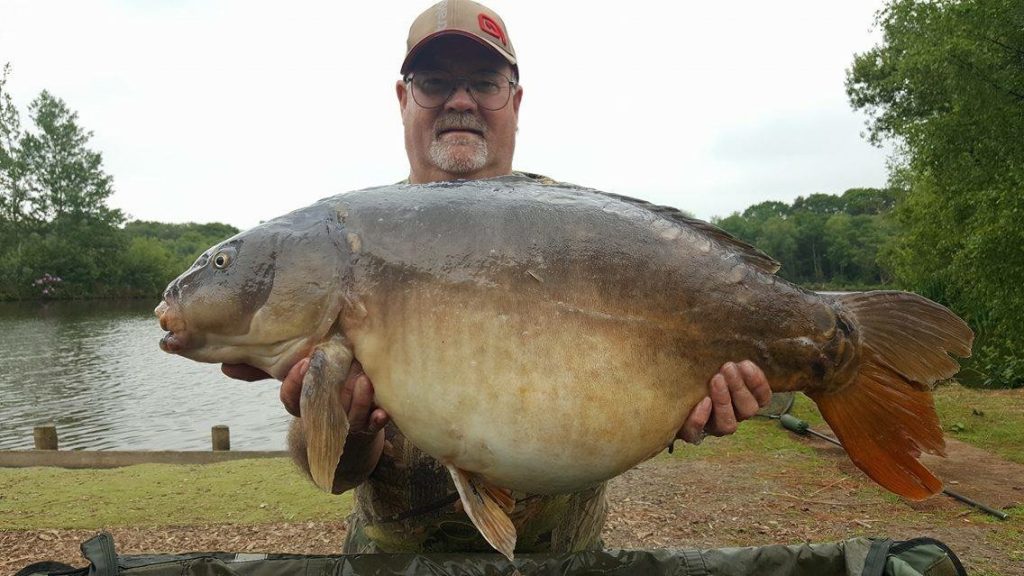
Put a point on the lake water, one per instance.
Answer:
(95, 371)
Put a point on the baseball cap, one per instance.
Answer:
(462, 17)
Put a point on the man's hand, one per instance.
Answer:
(356, 397)
(364, 442)
(738, 391)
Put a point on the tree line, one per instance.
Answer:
(58, 236)
(823, 241)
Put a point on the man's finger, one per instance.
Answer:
(744, 403)
(243, 372)
(355, 370)
(693, 429)
(291, 387)
(757, 382)
(362, 404)
(378, 420)
(348, 389)
(723, 419)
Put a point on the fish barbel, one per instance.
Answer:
(545, 338)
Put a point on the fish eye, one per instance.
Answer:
(223, 259)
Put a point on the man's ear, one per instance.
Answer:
(402, 93)
(516, 99)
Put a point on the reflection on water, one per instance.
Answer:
(95, 371)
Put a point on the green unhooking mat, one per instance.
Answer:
(855, 557)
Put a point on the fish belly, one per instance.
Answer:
(542, 397)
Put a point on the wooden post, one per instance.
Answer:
(221, 437)
(45, 437)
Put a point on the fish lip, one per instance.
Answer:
(174, 342)
(176, 339)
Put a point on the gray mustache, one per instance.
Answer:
(457, 121)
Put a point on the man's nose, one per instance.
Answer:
(460, 100)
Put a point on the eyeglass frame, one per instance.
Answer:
(460, 81)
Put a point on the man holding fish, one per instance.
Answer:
(459, 98)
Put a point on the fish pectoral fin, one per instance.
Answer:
(324, 420)
(486, 506)
(501, 496)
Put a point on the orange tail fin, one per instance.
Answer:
(886, 417)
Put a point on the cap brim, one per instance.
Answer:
(407, 63)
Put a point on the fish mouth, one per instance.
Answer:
(176, 339)
(173, 343)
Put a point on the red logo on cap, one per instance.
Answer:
(487, 24)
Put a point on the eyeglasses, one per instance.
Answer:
(432, 88)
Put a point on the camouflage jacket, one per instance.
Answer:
(408, 505)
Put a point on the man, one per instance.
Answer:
(459, 97)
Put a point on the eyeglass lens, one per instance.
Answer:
(490, 90)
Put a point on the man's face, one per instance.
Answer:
(459, 140)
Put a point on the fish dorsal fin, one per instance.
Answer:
(749, 254)
(486, 512)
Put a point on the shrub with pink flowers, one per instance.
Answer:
(47, 284)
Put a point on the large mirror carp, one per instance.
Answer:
(545, 338)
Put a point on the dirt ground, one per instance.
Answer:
(673, 503)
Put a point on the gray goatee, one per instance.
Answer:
(447, 155)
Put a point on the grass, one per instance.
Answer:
(989, 419)
(241, 491)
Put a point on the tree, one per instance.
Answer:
(824, 204)
(777, 237)
(812, 243)
(857, 201)
(767, 210)
(946, 85)
(56, 229)
(64, 178)
(822, 239)
(13, 202)
(53, 213)
(183, 243)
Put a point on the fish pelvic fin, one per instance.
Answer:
(886, 417)
(324, 420)
(487, 506)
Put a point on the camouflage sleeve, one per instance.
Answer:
(580, 527)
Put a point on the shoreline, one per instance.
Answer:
(89, 459)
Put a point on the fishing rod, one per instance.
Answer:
(794, 424)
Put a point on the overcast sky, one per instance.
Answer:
(238, 111)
